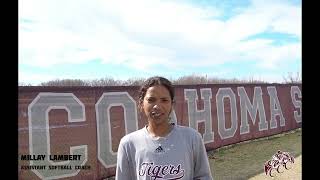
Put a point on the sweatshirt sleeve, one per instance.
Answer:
(123, 167)
(201, 163)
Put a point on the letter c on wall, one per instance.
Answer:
(39, 137)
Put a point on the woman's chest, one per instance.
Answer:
(164, 160)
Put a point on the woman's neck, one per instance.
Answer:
(159, 130)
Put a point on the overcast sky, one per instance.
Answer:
(93, 39)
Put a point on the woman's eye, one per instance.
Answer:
(150, 100)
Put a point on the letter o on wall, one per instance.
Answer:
(105, 154)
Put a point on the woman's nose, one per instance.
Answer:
(156, 106)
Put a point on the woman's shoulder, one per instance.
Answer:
(132, 136)
(187, 130)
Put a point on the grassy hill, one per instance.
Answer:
(246, 160)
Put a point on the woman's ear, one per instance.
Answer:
(140, 107)
(172, 106)
(173, 102)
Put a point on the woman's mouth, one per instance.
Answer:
(155, 114)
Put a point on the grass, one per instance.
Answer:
(246, 160)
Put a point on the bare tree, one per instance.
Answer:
(184, 80)
(290, 78)
(65, 82)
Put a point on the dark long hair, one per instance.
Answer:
(153, 81)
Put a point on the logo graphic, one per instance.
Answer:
(280, 159)
(161, 172)
(159, 149)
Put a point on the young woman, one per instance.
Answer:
(161, 150)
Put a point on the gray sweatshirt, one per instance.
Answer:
(179, 155)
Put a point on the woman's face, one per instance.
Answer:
(157, 104)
